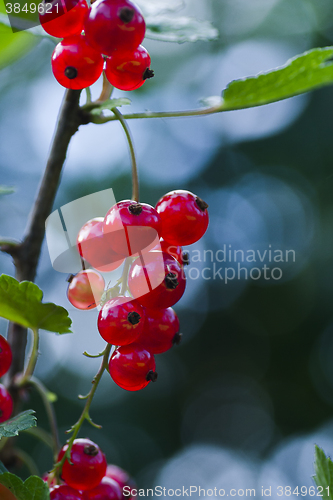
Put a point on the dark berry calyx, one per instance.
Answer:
(149, 73)
(186, 259)
(90, 450)
(135, 209)
(133, 317)
(177, 339)
(70, 278)
(171, 281)
(201, 204)
(151, 376)
(126, 14)
(71, 72)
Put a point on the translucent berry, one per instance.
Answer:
(108, 489)
(128, 70)
(173, 250)
(114, 25)
(184, 217)
(63, 18)
(75, 64)
(85, 289)
(87, 467)
(121, 477)
(6, 404)
(64, 492)
(5, 356)
(120, 321)
(160, 331)
(132, 368)
(156, 280)
(95, 247)
(133, 226)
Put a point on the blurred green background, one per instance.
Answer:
(253, 378)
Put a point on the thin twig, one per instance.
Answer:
(135, 177)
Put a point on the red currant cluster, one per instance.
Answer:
(112, 28)
(88, 476)
(141, 323)
(6, 402)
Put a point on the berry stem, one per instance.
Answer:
(32, 360)
(84, 415)
(43, 392)
(135, 177)
(107, 90)
(124, 278)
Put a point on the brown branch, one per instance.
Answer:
(26, 254)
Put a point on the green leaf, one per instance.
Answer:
(12, 45)
(34, 488)
(21, 422)
(168, 28)
(6, 190)
(156, 7)
(108, 104)
(324, 473)
(22, 303)
(309, 71)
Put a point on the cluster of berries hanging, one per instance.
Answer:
(137, 316)
(6, 402)
(88, 476)
(105, 36)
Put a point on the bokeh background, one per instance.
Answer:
(241, 402)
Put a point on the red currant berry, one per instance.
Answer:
(184, 217)
(94, 246)
(6, 404)
(114, 25)
(63, 18)
(5, 356)
(128, 70)
(64, 492)
(108, 489)
(75, 64)
(156, 280)
(132, 368)
(133, 226)
(87, 467)
(85, 289)
(120, 321)
(173, 250)
(160, 331)
(121, 477)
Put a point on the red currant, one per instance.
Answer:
(132, 368)
(63, 18)
(133, 226)
(94, 246)
(160, 331)
(85, 289)
(120, 321)
(75, 64)
(128, 70)
(184, 217)
(64, 492)
(6, 404)
(87, 467)
(5, 356)
(121, 477)
(174, 250)
(156, 280)
(108, 489)
(114, 25)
